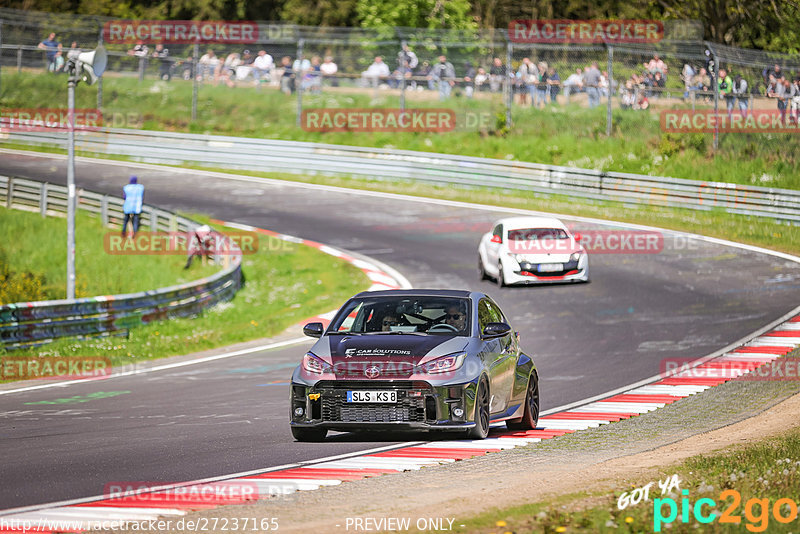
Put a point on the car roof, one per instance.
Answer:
(512, 223)
(459, 293)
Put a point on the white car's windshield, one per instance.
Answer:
(403, 314)
(534, 234)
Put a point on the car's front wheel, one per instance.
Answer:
(481, 428)
(481, 269)
(309, 434)
(530, 417)
(501, 278)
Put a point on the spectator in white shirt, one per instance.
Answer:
(262, 67)
(574, 83)
(377, 71)
(329, 70)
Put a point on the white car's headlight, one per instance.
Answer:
(451, 362)
(315, 365)
(575, 256)
(519, 257)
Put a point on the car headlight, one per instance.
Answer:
(575, 256)
(451, 362)
(519, 257)
(315, 365)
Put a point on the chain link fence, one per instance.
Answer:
(402, 68)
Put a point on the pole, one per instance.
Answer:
(403, 75)
(715, 81)
(1, 49)
(298, 81)
(73, 79)
(195, 73)
(509, 90)
(610, 88)
(100, 81)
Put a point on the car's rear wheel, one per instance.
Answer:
(530, 417)
(309, 434)
(481, 269)
(481, 428)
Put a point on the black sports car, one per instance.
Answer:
(414, 359)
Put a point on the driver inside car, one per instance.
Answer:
(455, 317)
(388, 322)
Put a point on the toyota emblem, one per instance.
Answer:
(373, 371)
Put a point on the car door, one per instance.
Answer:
(493, 247)
(508, 356)
(493, 358)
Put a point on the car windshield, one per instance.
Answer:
(533, 234)
(403, 314)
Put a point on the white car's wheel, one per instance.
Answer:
(481, 269)
(501, 277)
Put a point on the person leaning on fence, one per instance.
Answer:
(726, 89)
(262, 67)
(591, 80)
(133, 197)
(165, 64)
(794, 112)
(200, 244)
(375, 73)
(287, 77)
(51, 48)
(329, 70)
(739, 90)
(445, 75)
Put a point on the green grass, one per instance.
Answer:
(284, 284)
(31, 243)
(768, 469)
(571, 136)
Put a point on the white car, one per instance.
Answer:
(532, 250)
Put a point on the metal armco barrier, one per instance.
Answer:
(33, 323)
(338, 160)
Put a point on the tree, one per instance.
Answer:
(441, 14)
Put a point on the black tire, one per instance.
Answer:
(501, 281)
(309, 434)
(530, 417)
(481, 270)
(481, 428)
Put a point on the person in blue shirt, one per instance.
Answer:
(133, 196)
(51, 48)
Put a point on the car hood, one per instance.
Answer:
(395, 355)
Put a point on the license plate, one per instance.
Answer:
(550, 267)
(388, 397)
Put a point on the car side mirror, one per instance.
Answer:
(577, 237)
(313, 329)
(494, 330)
(496, 239)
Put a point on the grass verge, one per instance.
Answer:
(284, 283)
(559, 134)
(755, 483)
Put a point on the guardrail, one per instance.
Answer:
(34, 323)
(318, 158)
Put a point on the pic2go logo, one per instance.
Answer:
(756, 511)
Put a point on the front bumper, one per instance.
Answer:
(527, 272)
(419, 406)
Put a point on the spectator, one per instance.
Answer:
(245, 68)
(375, 72)
(51, 48)
(497, 75)
(165, 65)
(554, 84)
(445, 75)
(739, 91)
(247, 58)
(481, 79)
(262, 67)
(794, 103)
(200, 245)
(141, 51)
(591, 79)
(604, 87)
(424, 71)
(312, 79)
(726, 90)
(628, 95)
(58, 63)
(406, 59)
(573, 84)
(208, 65)
(702, 82)
(133, 197)
(329, 70)
(656, 65)
(776, 71)
(777, 90)
(287, 78)
(542, 86)
(687, 76)
(526, 79)
(187, 68)
(227, 71)
(469, 79)
(73, 51)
